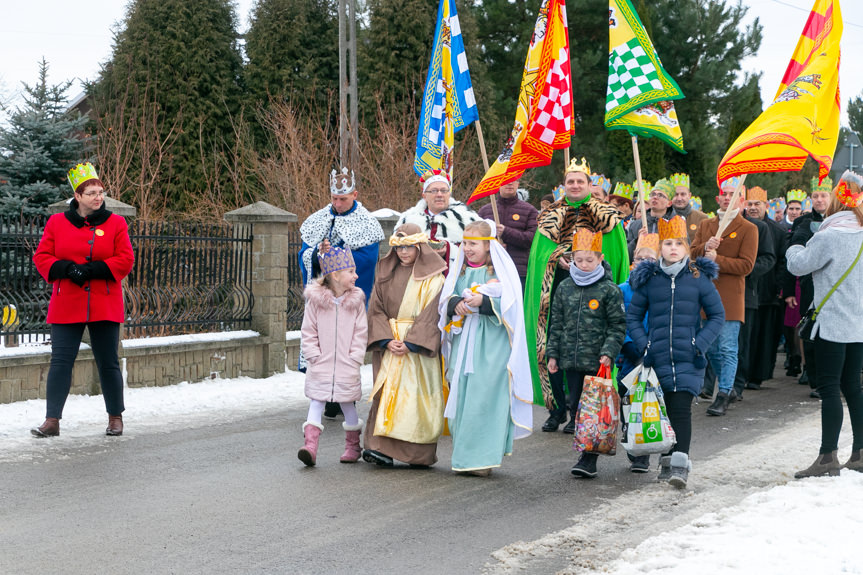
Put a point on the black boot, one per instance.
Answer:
(586, 466)
(719, 405)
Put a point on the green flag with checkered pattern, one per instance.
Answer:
(636, 77)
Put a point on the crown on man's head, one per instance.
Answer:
(777, 203)
(729, 185)
(601, 181)
(826, 185)
(623, 190)
(575, 166)
(679, 180)
(673, 229)
(585, 239)
(80, 174)
(342, 184)
(796, 196)
(756, 194)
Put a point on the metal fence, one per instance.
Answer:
(187, 278)
(295, 302)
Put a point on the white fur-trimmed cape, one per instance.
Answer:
(451, 222)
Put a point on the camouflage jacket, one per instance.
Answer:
(586, 323)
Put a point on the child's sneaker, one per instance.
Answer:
(680, 467)
(639, 463)
(586, 466)
(664, 468)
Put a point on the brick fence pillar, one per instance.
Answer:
(269, 277)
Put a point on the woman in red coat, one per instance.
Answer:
(84, 253)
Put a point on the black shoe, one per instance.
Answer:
(814, 394)
(804, 378)
(719, 405)
(793, 371)
(705, 395)
(332, 409)
(735, 396)
(640, 464)
(586, 466)
(376, 457)
(552, 423)
(756, 385)
(570, 427)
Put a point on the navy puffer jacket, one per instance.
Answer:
(677, 345)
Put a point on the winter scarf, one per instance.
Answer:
(582, 278)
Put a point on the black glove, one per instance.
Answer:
(59, 270)
(78, 274)
(97, 271)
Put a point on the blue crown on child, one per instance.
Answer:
(336, 259)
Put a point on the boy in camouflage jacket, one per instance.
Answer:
(586, 328)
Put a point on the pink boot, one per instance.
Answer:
(309, 451)
(352, 443)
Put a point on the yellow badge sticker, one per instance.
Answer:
(516, 217)
(733, 235)
(100, 232)
(692, 226)
(593, 304)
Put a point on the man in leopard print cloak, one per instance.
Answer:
(547, 265)
(344, 222)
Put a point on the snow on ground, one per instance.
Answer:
(810, 526)
(153, 410)
(189, 338)
(743, 512)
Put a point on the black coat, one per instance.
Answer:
(801, 232)
(765, 261)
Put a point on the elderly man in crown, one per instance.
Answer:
(549, 265)
(439, 216)
(343, 222)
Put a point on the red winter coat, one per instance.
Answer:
(68, 237)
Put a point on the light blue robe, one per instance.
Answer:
(482, 429)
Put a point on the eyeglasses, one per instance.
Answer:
(658, 195)
(404, 248)
(93, 194)
(436, 192)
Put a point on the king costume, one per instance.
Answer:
(445, 226)
(556, 226)
(356, 229)
(489, 403)
(406, 416)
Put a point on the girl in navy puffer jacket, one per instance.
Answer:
(672, 292)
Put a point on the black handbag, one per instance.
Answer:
(807, 322)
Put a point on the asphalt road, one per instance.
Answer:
(233, 498)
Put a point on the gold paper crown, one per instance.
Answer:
(575, 166)
(673, 229)
(825, 186)
(585, 240)
(623, 190)
(756, 194)
(796, 196)
(649, 241)
(80, 174)
(336, 259)
(679, 180)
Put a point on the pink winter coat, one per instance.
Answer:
(334, 339)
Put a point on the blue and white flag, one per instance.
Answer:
(448, 101)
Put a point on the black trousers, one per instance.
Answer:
(744, 356)
(792, 350)
(562, 403)
(839, 366)
(763, 341)
(678, 404)
(65, 342)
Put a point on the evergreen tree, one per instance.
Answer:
(292, 50)
(855, 115)
(38, 147)
(181, 57)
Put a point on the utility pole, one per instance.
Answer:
(348, 110)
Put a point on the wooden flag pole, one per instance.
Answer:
(486, 166)
(726, 217)
(639, 183)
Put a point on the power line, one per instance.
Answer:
(846, 22)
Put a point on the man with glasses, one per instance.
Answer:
(659, 204)
(439, 216)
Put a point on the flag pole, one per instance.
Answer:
(639, 183)
(726, 219)
(486, 166)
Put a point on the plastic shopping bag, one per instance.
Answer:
(598, 415)
(646, 428)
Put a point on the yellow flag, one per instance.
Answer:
(803, 119)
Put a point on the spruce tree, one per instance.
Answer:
(180, 57)
(855, 115)
(37, 149)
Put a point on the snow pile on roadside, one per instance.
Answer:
(154, 410)
(810, 526)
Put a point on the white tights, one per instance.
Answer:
(316, 411)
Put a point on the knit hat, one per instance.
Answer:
(336, 259)
(849, 189)
(673, 229)
(665, 186)
(756, 194)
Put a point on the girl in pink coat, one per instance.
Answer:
(334, 339)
